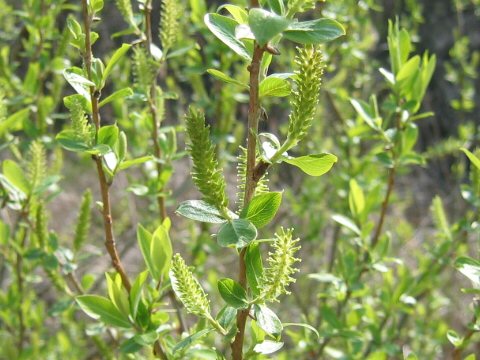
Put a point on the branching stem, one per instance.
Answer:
(250, 185)
(152, 102)
(104, 184)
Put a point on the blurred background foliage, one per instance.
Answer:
(409, 300)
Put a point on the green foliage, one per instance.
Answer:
(377, 266)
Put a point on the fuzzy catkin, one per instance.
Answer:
(262, 185)
(308, 80)
(170, 13)
(278, 275)
(83, 221)
(37, 164)
(82, 130)
(188, 289)
(206, 173)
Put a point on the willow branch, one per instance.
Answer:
(104, 185)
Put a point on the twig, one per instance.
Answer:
(21, 317)
(104, 185)
(152, 102)
(251, 183)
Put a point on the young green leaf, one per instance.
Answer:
(135, 295)
(346, 222)
(119, 94)
(274, 86)
(161, 252)
(470, 268)
(314, 31)
(313, 165)
(189, 341)
(98, 307)
(200, 210)
(117, 55)
(356, 199)
(268, 347)
(224, 29)
(236, 232)
(117, 293)
(267, 319)
(262, 208)
(15, 175)
(10, 122)
(306, 326)
(265, 25)
(144, 238)
(108, 135)
(239, 14)
(233, 293)
(475, 160)
(225, 78)
(254, 268)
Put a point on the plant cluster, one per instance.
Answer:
(106, 251)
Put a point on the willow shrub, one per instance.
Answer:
(360, 304)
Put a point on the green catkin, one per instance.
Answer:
(170, 13)
(262, 185)
(41, 229)
(206, 173)
(439, 217)
(83, 221)
(144, 70)
(188, 289)
(37, 164)
(3, 107)
(125, 8)
(278, 275)
(309, 71)
(82, 130)
(299, 6)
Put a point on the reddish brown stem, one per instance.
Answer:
(383, 213)
(152, 102)
(251, 183)
(102, 179)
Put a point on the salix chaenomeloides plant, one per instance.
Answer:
(134, 307)
(254, 35)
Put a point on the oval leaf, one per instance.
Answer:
(224, 29)
(99, 307)
(267, 319)
(200, 210)
(313, 165)
(268, 347)
(274, 86)
(233, 293)
(238, 233)
(262, 208)
(314, 32)
(254, 268)
(265, 24)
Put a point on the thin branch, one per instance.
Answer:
(104, 185)
(152, 102)
(251, 183)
